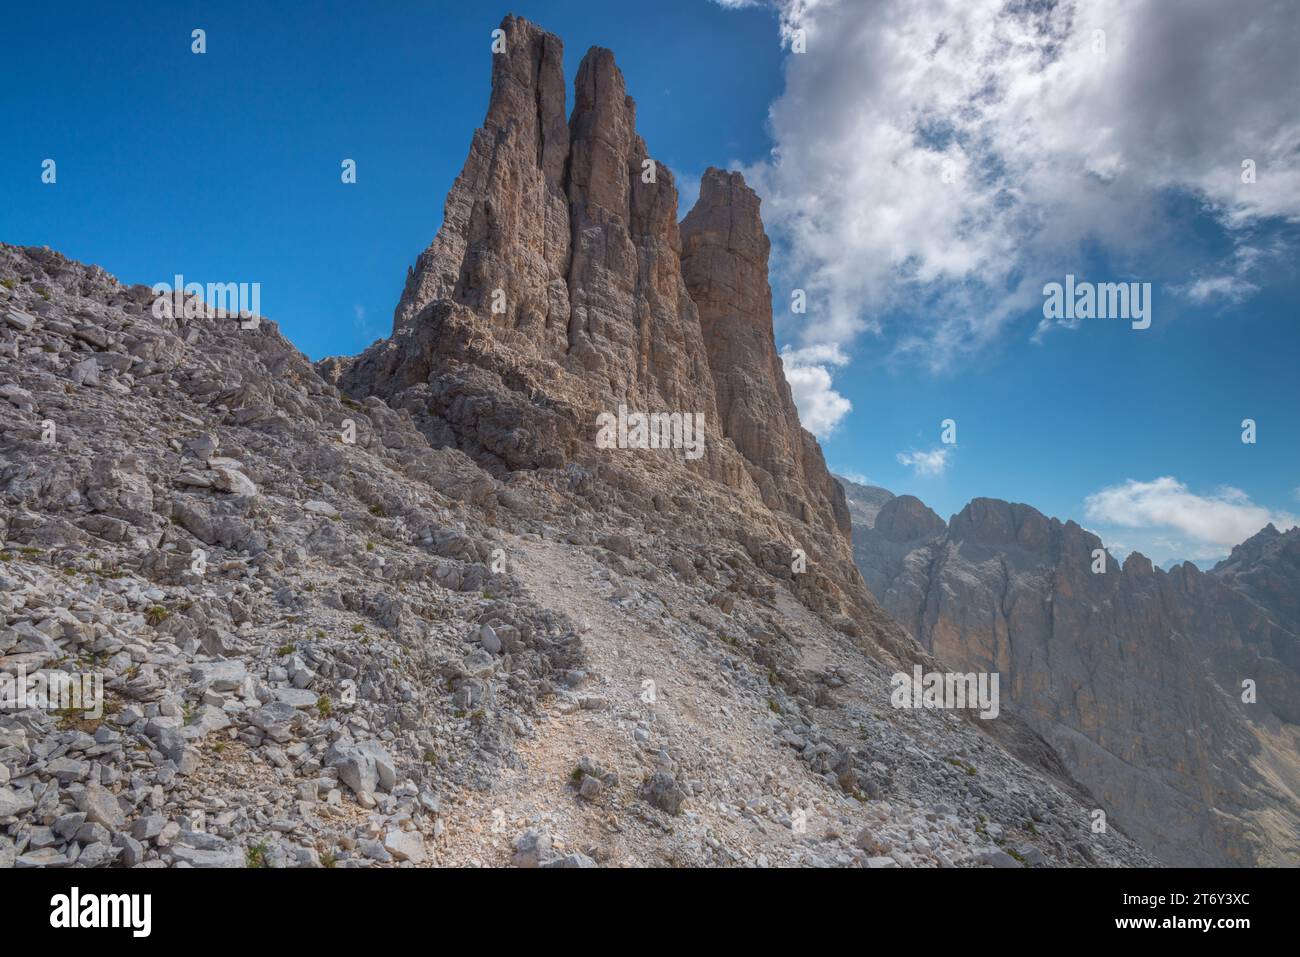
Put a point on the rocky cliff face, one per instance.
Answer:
(1134, 675)
(560, 288)
(724, 263)
(553, 290)
(1266, 567)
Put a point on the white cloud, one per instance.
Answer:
(925, 464)
(1229, 288)
(1240, 281)
(1052, 141)
(821, 408)
(1213, 523)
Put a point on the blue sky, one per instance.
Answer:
(922, 178)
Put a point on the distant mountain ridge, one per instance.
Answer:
(1134, 674)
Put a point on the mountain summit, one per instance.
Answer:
(561, 288)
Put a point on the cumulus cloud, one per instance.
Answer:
(945, 158)
(808, 371)
(925, 464)
(1212, 523)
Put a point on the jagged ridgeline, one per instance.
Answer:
(1174, 696)
(561, 288)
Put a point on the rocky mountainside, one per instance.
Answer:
(1266, 567)
(403, 609)
(864, 503)
(1134, 675)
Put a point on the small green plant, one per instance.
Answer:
(323, 706)
(329, 859)
(378, 511)
(285, 650)
(8, 283)
(155, 615)
(74, 719)
(358, 628)
(255, 856)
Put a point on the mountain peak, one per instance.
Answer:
(561, 289)
(906, 518)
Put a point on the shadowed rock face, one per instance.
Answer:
(1266, 567)
(553, 290)
(560, 288)
(1134, 675)
(724, 262)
